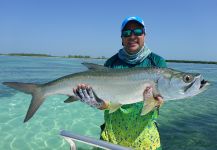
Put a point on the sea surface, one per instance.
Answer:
(189, 124)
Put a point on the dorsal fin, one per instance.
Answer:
(92, 66)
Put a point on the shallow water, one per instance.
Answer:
(184, 124)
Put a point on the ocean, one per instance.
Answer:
(189, 124)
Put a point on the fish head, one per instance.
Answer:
(179, 85)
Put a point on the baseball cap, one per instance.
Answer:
(132, 18)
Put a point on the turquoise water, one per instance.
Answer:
(183, 124)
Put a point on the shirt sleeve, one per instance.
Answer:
(111, 61)
(162, 63)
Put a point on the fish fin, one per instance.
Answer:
(29, 88)
(92, 66)
(71, 99)
(114, 106)
(149, 95)
(37, 100)
(148, 106)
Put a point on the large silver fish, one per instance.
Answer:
(120, 86)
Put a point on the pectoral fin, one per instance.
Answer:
(114, 106)
(149, 95)
(149, 105)
(71, 99)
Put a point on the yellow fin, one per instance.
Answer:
(149, 105)
(114, 106)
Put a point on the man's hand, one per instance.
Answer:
(149, 92)
(87, 95)
(160, 100)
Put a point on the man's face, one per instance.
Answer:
(133, 43)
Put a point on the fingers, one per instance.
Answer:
(82, 86)
(148, 92)
(90, 92)
(160, 100)
(87, 95)
(82, 91)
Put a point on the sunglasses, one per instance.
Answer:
(136, 32)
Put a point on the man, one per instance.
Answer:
(126, 126)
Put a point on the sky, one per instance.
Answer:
(176, 29)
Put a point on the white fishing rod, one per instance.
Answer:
(71, 137)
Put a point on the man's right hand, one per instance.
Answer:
(87, 95)
(149, 92)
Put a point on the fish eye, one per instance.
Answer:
(187, 78)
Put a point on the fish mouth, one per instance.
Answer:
(203, 83)
(189, 86)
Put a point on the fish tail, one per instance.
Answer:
(29, 88)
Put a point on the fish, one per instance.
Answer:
(119, 86)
